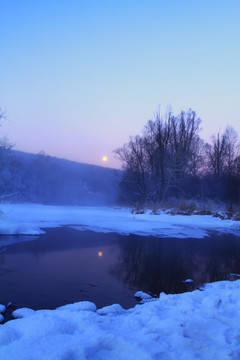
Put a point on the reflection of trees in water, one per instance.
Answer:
(2, 260)
(156, 265)
(4, 268)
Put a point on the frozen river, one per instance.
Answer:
(66, 265)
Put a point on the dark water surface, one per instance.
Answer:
(66, 265)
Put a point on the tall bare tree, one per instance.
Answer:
(216, 154)
(156, 143)
(232, 150)
(184, 130)
(133, 157)
(5, 145)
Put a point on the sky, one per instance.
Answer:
(77, 78)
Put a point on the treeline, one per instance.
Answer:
(169, 159)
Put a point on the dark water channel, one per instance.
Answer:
(66, 265)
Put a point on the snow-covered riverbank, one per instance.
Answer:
(198, 325)
(30, 219)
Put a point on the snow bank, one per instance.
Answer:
(31, 218)
(198, 325)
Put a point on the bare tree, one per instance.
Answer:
(196, 161)
(184, 129)
(133, 157)
(156, 144)
(232, 150)
(5, 145)
(216, 154)
(222, 152)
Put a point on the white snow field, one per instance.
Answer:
(198, 325)
(30, 219)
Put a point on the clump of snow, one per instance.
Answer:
(187, 281)
(142, 295)
(2, 308)
(79, 306)
(114, 309)
(22, 313)
(197, 325)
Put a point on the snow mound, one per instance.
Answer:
(79, 306)
(22, 313)
(114, 309)
(197, 325)
(142, 295)
(2, 308)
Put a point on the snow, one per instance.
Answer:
(188, 281)
(23, 312)
(203, 324)
(142, 295)
(79, 306)
(2, 310)
(232, 274)
(114, 309)
(31, 219)
(197, 325)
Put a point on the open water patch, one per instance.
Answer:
(66, 265)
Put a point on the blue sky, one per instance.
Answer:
(79, 77)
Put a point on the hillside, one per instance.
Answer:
(44, 179)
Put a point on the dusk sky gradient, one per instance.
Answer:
(79, 77)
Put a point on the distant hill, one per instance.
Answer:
(49, 180)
